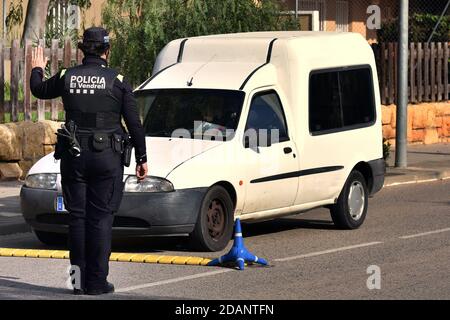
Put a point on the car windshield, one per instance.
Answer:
(191, 113)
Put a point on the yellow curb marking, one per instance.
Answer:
(117, 257)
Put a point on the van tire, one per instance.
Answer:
(345, 217)
(214, 235)
(51, 238)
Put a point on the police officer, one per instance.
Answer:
(95, 99)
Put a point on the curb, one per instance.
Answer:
(115, 257)
(415, 177)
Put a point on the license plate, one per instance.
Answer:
(60, 205)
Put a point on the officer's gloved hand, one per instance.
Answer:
(141, 171)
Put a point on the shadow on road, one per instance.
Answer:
(16, 290)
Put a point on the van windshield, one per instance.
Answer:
(191, 113)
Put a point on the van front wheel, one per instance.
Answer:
(351, 208)
(214, 226)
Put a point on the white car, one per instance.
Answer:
(254, 125)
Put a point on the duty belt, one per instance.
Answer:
(101, 141)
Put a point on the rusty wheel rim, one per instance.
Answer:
(216, 219)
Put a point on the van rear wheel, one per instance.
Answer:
(351, 208)
(214, 226)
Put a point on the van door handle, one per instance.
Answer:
(287, 150)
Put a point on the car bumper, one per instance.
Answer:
(379, 171)
(173, 213)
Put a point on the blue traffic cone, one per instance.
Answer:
(238, 253)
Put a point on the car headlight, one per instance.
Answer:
(149, 184)
(42, 181)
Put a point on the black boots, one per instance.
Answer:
(109, 288)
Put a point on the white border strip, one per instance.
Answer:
(175, 280)
(313, 254)
(424, 233)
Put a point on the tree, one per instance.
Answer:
(141, 28)
(36, 16)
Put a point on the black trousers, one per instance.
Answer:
(93, 189)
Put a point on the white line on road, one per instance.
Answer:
(207, 274)
(424, 233)
(163, 282)
(9, 215)
(313, 254)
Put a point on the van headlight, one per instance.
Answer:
(42, 181)
(149, 184)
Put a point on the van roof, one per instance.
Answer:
(226, 61)
(279, 35)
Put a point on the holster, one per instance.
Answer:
(62, 146)
(127, 150)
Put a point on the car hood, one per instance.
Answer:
(164, 155)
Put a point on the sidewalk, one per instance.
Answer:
(426, 163)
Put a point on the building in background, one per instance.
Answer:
(339, 15)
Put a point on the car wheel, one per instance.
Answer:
(351, 208)
(50, 238)
(214, 226)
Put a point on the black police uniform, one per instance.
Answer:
(96, 98)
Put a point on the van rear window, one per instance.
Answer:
(341, 99)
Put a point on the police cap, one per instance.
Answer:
(96, 35)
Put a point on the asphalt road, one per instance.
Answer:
(406, 235)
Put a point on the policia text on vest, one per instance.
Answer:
(93, 147)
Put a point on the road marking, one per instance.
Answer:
(117, 257)
(394, 184)
(9, 215)
(319, 253)
(424, 233)
(174, 280)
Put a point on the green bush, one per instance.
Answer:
(141, 28)
(386, 149)
(420, 27)
(8, 92)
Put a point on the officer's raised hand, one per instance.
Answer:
(37, 58)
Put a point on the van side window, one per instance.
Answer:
(341, 99)
(357, 96)
(266, 113)
(325, 113)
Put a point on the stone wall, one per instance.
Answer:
(22, 144)
(428, 123)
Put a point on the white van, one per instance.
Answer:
(254, 125)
